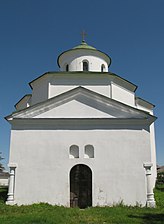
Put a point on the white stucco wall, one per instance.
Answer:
(123, 95)
(40, 91)
(43, 164)
(149, 108)
(93, 62)
(101, 84)
(97, 83)
(56, 90)
(75, 60)
(55, 84)
(77, 109)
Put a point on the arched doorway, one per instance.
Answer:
(80, 186)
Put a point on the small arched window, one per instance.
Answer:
(74, 151)
(85, 66)
(102, 68)
(89, 151)
(67, 68)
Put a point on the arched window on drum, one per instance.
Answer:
(85, 66)
(67, 68)
(102, 68)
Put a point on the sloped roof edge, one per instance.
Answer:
(145, 101)
(73, 91)
(133, 86)
(27, 95)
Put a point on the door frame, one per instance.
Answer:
(91, 173)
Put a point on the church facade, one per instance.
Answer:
(82, 138)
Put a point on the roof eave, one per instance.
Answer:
(109, 60)
(70, 92)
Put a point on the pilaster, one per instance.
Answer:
(150, 195)
(10, 198)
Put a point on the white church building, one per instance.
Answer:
(82, 138)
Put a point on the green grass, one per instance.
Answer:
(48, 214)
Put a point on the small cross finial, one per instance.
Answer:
(83, 34)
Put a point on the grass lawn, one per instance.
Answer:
(48, 214)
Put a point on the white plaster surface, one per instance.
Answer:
(122, 95)
(44, 164)
(75, 60)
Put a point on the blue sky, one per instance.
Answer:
(33, 33)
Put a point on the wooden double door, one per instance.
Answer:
(81, 186)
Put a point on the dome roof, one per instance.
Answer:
(72, 59)
(84, 45)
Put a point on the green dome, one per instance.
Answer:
(84, 45)
(87, 48)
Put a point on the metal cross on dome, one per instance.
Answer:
(83, 34)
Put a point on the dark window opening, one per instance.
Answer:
(67, 68)
(85, 66)
(102, 68)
